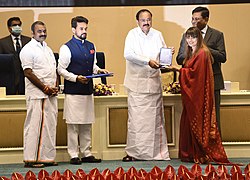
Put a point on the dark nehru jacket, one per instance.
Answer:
(82, 62)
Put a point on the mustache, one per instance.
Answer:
(146, 25)
(84, 34)
(43, 36)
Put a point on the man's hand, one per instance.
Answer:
(82, 79)
(102, 71)
(172, 50)
(51, 91)
(154, 64)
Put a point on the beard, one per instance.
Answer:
(83, 36)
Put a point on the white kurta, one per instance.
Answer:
(78, 109)
(146, 138)
(139, 49)
(41, 119)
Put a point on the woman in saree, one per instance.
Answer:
(200, 140)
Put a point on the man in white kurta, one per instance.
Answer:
(39, 65)
(146, 138)
(77, 58)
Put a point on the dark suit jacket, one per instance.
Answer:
(214, 40)
(7, 47)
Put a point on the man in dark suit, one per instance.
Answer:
(214, 39)
(12, 44)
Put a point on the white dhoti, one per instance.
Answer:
(40, 130)
(79, 115)
(146, 138)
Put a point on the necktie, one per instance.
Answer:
(203, 34)
(18, 46)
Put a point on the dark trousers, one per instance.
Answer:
(217, 107)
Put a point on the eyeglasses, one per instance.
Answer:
(145, 20)
(196, 19)
(15, 25)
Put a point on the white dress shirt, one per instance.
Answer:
(40, 58)
(14, 40)
(203, 31)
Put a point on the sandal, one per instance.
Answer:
(50, 164)
(128, 159)
(33, 165)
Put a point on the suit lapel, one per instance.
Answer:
(207, 35)
(10, 44)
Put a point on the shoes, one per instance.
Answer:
(39, 165)
(127, 158)
(34, 165)
(51, 164)
(91, 159)
(130, 158)
(75, 161)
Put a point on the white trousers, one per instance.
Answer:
(79, 139)
(40, 130)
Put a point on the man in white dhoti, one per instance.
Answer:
(39, 65)
(77, 59)
(146, 136)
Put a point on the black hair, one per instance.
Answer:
(78, 19)
(9, 22)
(141, 11)
(204, 11)
(35, 23)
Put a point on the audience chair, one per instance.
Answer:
(101, 63)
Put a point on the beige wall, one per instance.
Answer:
(109, 26)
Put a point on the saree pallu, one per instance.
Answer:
(200, 140)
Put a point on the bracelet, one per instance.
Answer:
(46, 89)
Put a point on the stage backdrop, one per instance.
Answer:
(109, 25)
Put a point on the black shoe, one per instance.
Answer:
(91, 159)
(33, 165)
(51, 164)
(75, 161)
(129, 159)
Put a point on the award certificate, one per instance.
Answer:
(166, 57)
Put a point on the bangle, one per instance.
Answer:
(46, 89)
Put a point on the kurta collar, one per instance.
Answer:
(78, 41)
(141, 33)
(43, 44)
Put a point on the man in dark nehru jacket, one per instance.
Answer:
(12, 44)
(77, 59)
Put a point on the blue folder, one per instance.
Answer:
(100, 75)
